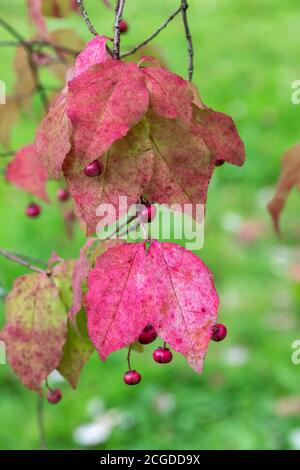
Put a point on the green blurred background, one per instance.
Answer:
(246, 57)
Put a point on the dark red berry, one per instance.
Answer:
(148, 335)
(93, 169)
(162, 355)
(219, 162)
(63, 194)
(132, 377)
(123, 26)
(219, 332)
(147, 213)
(33, 210)
(54, 396)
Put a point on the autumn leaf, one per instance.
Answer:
(126, 171)
(220, 135)
(165, 286)
(56, 8)
(25, 81)
(35, 329)
(53, 136)
(9, 115)
(104, 102)
(28, 173)
(78, 347)
(36, 17)
(289, 178)
(182, 165)
(64, 39)
(95, 52)
(169, 94)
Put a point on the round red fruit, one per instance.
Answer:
(147, 213)
(148, 335)
(123, 26)
(162, 355)
(54, 396)
(219, 332)
(93, 169)
(33, 210)
(132, 377)
(219, 162)
(63, 195)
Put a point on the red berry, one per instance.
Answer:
(147, 213)
(123, 26)
(148, 335)
(54, 396)
(93, 169)
(132, 377)
(33, 210)
(219, 162)
(63, 194)
(162, 355)
(219, 332)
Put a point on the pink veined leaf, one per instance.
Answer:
(182, 165)
(104, 102)
(126, 170)
(53, 136)
(95, 52)
(220, 135)
(28, 173)
(166, 286)
(169, 95)
(35, 329)
(88, 253)
(36, 16)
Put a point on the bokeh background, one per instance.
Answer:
(246, 57)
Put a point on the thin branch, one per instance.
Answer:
(120, 4)
(184, 7)
(128, 357)
(41, 422)
(86, 18)
(22, 260)
(8, 153)
(153, 35)
(27, 46)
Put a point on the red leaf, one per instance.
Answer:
(53, 137)
(95, 52)
(167, 286)
(104, 102)
(28, 173)
(169, 94)
(220, 135)
(36, 16)
(126, 171)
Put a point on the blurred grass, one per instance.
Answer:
(246, 56)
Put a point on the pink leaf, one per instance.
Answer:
(35, 329)
(166, 286)
(220, 135)
(36, 16)
(28, 173)
(126, 171)
(169, 94)
(95, 52)
(104, 102)
(53, 137)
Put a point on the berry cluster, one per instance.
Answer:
(163, 355)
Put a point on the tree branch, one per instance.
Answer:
(23, 260)
(34, 70)
(153, 35)
(184, 7)
(119, 12)
(86, 18)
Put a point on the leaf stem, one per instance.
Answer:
(128, 357)
(184, 7)
(153, 35)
